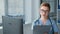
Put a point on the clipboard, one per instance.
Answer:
(41, 29)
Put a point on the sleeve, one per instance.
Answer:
(32, 26)
(55, 27)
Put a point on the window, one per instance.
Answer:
(15, 7)
(2, 10)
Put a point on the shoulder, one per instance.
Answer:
(53, 21)
(54, 24)
(35, 21)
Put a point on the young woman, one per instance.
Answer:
(44, 19)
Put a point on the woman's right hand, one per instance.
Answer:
(45, 32)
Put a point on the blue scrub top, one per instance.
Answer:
(55, 28)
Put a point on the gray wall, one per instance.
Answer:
(27, 29)
(12, 25)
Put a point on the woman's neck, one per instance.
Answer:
(44, 18)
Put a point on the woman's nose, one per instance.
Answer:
(44, 12)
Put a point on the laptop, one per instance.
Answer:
(41, 29)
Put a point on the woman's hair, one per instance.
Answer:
(45, 4)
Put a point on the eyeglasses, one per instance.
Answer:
(46, 11)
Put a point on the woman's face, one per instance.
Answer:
(44, 11)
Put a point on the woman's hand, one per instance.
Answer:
(55, 32)
(45, 32)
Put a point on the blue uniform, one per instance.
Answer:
(55, 28)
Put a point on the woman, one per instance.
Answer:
(44, 18)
